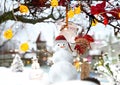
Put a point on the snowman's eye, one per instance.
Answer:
(63, 44)
(58, 45)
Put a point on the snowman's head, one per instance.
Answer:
(61, 43)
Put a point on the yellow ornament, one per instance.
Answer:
(70, 13)
(24, 46)
(23, 9)
(54, 3)
(8, 34)
(77, 10)
(94, 22)
(77, 65)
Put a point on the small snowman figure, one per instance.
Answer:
(62, 68)
(36, 72)
(35, 64)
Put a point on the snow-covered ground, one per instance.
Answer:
(7, 77)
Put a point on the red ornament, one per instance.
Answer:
(99, 9)
(79, 49)
(63, 2)
(89, 38)
(81, 45)
(115, 12)
(105, 21)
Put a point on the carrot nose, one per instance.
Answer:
(62, 46)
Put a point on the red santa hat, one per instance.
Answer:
(61, 38)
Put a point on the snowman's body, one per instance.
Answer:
(62, 55)
(62, 69)
(35, 64)
(36, 72)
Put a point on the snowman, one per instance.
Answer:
(62, 68)
(35, 64)
(36, 73)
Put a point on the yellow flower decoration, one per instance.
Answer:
(70, 13)
(54, 3)
(24, 46)
(77, 10)
(8, 34)
(94, 22)
(77, 65)
(23, 9)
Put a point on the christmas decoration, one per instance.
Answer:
(94, 22)
(105, 21)
(54, 3)
(23, 9)
(62, 59)
(83, 43)
(17, 64)
(99, 9)
(77, 64)
(24, 46)
(8, 34)
(36, 73)
(35, 64)
(115, 12)
(77, 10)
(85, 70)
(89, 38)
(70, 13)
(60, 38)
(70, 33)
